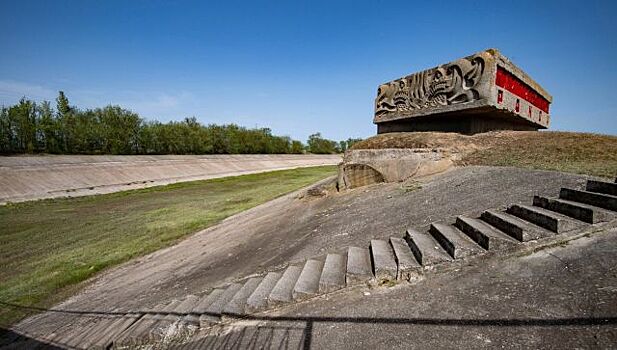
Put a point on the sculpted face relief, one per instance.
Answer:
(444, 85)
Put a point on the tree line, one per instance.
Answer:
(30, 127)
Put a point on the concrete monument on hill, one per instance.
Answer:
(478, 93)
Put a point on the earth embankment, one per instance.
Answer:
(572, 152)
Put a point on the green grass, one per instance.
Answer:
(48, 247)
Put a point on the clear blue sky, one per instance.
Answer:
(297, 67)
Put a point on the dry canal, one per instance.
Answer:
(25, 178)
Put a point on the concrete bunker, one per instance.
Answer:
(475, 94)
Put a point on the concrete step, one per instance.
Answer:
(426, 250)
(105, 335)
(308, 283)
(408, 266)
(216, 307)
(101, 323)
(166, 315)
(359, 269)
(579, 211)
(140, 331)
(73, 328)
(259, 298)
(160, 329)
(487, 236)
(333, 274)
(282, 291)
(602, 187)
(544, 218)
(174, 319)
(202, 306)
(121, 338)
(236, 306)
(67, 336)
(56, 328)
(53, 333)
(107, 330)
(384, 263)
(519, 229)
(455, 242)
(185, 309)
(601, 200)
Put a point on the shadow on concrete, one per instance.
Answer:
(294, 332)
(250, 337)
(21, 341)
(292, 335)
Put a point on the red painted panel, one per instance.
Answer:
(516, 86)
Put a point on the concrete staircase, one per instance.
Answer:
(382, 262)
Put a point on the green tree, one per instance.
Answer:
(345, 145)
(297, 147)
(6, 132)
(28, 127)
(67, 123)
(23, 125)
(62, 104)
(49, 130)
(119, 129)
(320, 145)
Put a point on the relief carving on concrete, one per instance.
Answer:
(448, 84)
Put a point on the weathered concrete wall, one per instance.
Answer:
(366, 166)
(357, 175)
(35, 177)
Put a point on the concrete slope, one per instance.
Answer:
(390, 261)
(36, 177)
(291, 230)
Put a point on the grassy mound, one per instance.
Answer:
(581, 153)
